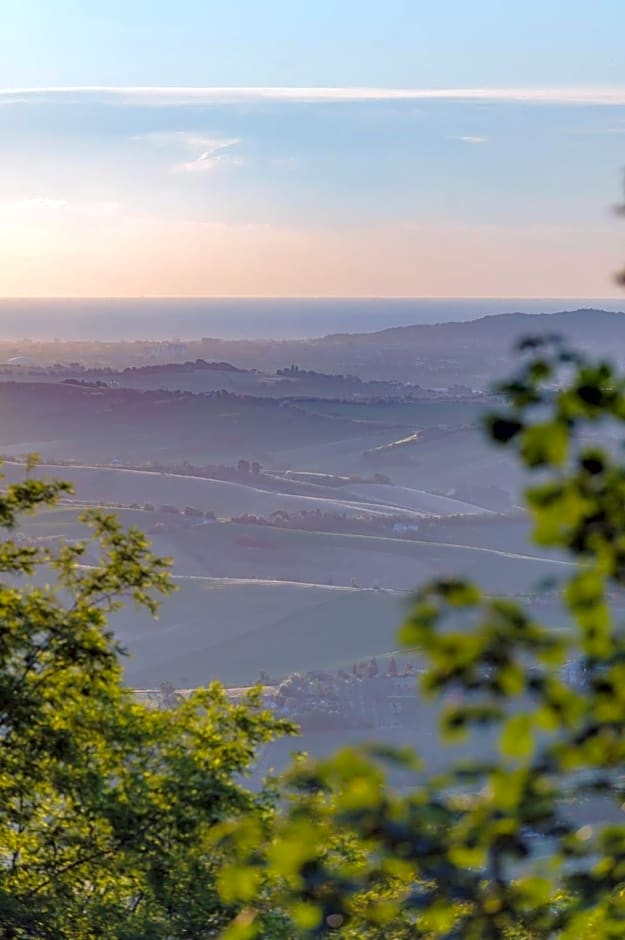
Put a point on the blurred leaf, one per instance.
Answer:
(517, 739)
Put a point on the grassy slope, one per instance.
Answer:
(232, 630)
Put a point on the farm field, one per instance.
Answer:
(230, 498)
(458, 462)
(399, 414)
(95, 425)
(254, 598)
(275, 553)
(231, 630)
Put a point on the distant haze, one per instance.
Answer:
(248, 318)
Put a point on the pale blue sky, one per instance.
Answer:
(475, 189)
(311, 42)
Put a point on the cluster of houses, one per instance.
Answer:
(320, 700)
(367, 697)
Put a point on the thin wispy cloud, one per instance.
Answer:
(468, 139)
(214, 155)
(209, 152)
(163, 95)
(208, 161)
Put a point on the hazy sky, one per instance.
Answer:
(266, 147)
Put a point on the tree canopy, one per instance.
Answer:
(107, 807)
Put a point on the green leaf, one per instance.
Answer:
(545, 444)
(517, 738)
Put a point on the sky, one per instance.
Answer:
(273, 148)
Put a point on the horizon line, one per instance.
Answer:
(172, 94)
(304, 297)
(449, 297)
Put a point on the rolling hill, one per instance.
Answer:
(471, 352)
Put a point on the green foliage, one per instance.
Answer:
(491, 848)
(107, 809)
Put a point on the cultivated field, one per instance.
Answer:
(232, 630)
(267, 552)
(254, 598)
(228, 498)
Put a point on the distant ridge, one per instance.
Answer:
(187, 320)
(499, 326)
(435, 356)
(505, 322)
(470, 352)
